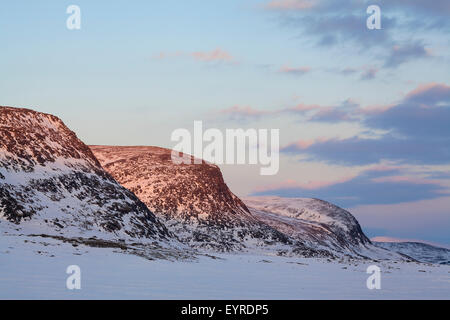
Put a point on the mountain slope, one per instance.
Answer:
(419, 251)
(192, 199)
(51, 183)
(318, 224)
(196, 204)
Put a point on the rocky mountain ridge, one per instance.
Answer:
(51, 183)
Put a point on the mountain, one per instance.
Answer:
(419, 251)
(195, 204)
(51, 184)
(192, 199)
(318, 224)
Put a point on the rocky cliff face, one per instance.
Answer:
(51, 183)
(192, 199)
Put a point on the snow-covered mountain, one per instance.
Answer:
(318, 224)
(195, 203)
(52, 184)
(419, 251)
(192, 199)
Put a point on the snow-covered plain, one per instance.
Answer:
(35, 268)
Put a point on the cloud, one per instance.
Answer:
(365, 72)
(346, 111)
(369, 74)
(361, 151)
(332, 29)
(423, 14)
(367, 188)
(333, 23)
(301, 107)
(298, 71)
(424, 114)
(401, 54)
(414, 9)
(340, 113)
(417, 132)
(430, 93)
(217, 55)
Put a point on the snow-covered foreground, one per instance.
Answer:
(32, 270)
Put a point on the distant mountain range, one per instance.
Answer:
(52, 184)
(419, 251)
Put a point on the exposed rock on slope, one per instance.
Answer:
(192, 199)
(51, 183)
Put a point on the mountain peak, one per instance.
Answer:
(192, 199)
(50, 182)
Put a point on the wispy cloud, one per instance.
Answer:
(339, 24)
(217, 55)
(401, 54)
(369, 74)
(296, 71)
(417, 131)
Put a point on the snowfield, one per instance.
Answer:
(35, 268)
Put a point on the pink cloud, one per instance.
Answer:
(423, 91)
(429, 87)
(216, 55)
(295, 71)
(370, 110)
(305, 144)
(211, 56)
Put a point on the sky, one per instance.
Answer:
(363, 114)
